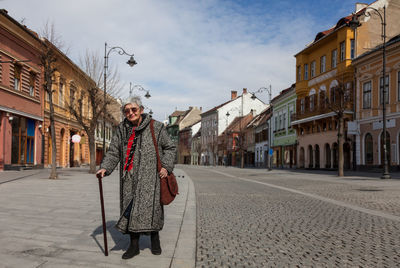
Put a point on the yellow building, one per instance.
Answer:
(323, 71)
(69, 83)
(322, 66)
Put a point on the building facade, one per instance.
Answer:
(369, 91)
(215, 121)
(69, 88)
(285, 138)
(21, 103)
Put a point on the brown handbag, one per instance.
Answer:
(168, 185)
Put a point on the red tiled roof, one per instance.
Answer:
(178, 113)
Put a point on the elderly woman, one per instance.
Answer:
(132, 146)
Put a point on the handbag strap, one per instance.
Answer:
(155, 145)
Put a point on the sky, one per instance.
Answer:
(189, 52)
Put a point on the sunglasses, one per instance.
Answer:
(133, 110)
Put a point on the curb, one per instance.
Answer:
(185, 250)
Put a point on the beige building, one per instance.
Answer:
(369, 85)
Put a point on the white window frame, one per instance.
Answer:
(323, 64)
(312, 71)
(342, 51)
(306, 71)
(334, 58)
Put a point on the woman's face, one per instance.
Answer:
(133, 112)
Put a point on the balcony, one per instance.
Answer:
(312, 106)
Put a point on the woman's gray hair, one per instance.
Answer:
(132, 100)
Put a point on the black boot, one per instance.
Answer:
(155, 243)
(133, 249)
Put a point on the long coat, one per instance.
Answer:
(141, 185)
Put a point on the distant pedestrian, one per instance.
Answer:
(133, 148)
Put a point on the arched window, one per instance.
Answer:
(369, 149)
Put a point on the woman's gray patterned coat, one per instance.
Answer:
(142, 184)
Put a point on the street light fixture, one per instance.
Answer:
(354, 24)
(140, 88)
(253, 97)
(131, 62)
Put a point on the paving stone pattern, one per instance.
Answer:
(244, 224)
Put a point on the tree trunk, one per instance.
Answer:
(53, 174)
(92, 150)
(241, 158)
(340, 144)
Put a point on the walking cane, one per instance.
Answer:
(103, 215)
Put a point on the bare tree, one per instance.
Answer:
(48, 58)
(339, 101)
(92, 96)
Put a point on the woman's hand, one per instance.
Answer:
(101, 173)
(163, 173)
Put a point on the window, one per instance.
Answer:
(367, 95)
(61, 94)
(290, 118)
(312, 72)
(299, 73)
(312, 97)
(334, 58)
(23, 140)
(17, 76)
(302, 106)
(306, 71)
(32, 80)
(323, 64)
(386, 89)
(284, 121)
(352, 49)
(72, 96)
(342, 51)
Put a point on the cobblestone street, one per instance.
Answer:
(256, 218)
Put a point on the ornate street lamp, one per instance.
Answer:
(140, 88)
(131, 62)
(354, 24)
(253, 97)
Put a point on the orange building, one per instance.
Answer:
(21, 103)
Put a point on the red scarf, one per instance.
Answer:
(129, 166)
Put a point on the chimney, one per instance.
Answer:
(244, 90)
(233, 94)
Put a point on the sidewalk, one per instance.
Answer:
(57, 223)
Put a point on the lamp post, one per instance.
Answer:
(354, 24)
(150, 112)
(253, 96)
(131, 62)
(138, 87)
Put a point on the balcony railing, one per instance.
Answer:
(320, 107)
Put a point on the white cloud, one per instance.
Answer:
(189, 53)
